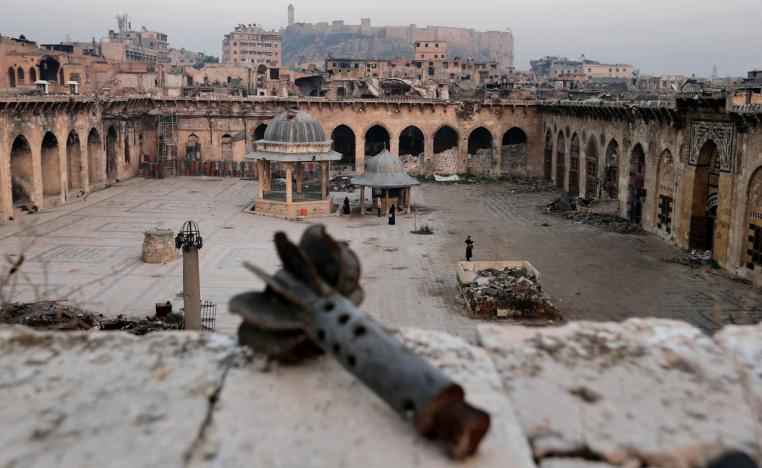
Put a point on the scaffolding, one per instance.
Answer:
(167, 138)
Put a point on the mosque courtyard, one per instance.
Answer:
(89, 253)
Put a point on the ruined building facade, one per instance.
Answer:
(689, 170)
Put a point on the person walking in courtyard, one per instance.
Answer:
(392, 212)
(469, 248)
(345, 208)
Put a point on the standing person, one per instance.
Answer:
(469, 248)
(378, 206)
(392, 212)
(345, 209)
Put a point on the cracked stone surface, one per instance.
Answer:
(585, 395)
(187, 399)
(104, 399)
(316, 414)
(744, 345)
(653, 391)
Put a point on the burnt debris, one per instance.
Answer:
(508, 293)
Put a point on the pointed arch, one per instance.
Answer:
(226, 147)
(22, 180)
(752, 258)
(591, 169)
(411, 141)
(560, 160)
(193, 148)
(705, 198)
(665, 191)
(610, 187)
(574, 152)
(547, 167)
(51, 166)
(95, 169)
(376, 139)
(636, 184)
(74, 161)
(112, 141)
(344, 141)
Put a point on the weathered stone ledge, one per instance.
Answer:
(638, 393)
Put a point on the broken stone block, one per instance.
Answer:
(105, 399)
(159, 246)
(655, 391)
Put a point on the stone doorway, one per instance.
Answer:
(636, 193)
(705, 198)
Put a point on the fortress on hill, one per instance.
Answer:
(308, 42)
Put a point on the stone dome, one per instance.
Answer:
(295, 126)
(385, 171)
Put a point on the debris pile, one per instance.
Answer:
(695, 259)
(527, 184)
(508, 293)
(607, 221)
(51, 315)
(577, 209)
(48, 315)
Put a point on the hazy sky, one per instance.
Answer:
(657, 36)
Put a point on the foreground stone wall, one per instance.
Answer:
(638, 393)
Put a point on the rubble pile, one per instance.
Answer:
(527, 184)
(607, 221)
(508, 293)
(695, 259)
(51, 315)
(48, 315)
(578, 210)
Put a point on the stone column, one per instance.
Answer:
(261, 178)
(63, 164)
(289, 182)
(299, 167)
(268, 176)
(385, 204)
(362, 201)
(191, 289)
(462, 155)
(37, 195)
(394, 144)
(324, 168)
(359, 153)
(428, 154)
(408, 196)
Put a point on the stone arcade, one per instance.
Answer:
(688, 170)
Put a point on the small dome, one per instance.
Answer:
(295, 126)
(385, 171)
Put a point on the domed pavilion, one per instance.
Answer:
(388, 181)
(293, 140)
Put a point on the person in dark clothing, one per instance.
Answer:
(469, 248)
(392, 212)
(345, 209)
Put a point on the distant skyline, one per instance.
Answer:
(657, 37)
